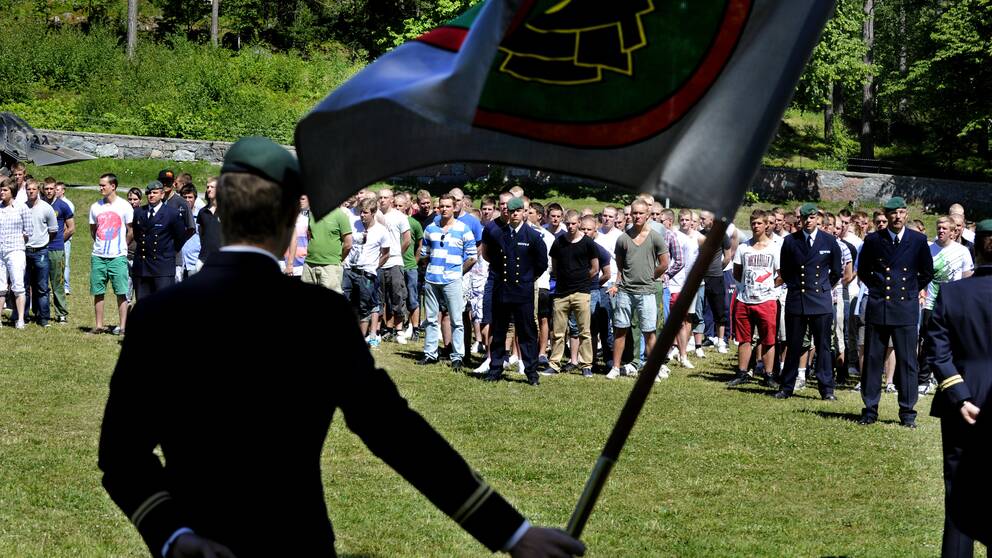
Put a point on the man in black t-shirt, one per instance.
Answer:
(574, 263)
(714, 286)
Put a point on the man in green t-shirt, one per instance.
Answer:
(401, 202)
(330, 242)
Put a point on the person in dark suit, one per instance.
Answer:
(959, 351)
(241, 434)
(159, 234)
(810, 267)
(517, 256)
(896, 266)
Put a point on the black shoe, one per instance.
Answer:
(911, 424)
(741, 379)
(829, 397)
(493, 376)
(768, 381)
(866, 420)
(427, 360)
(534, 380)
(782, 395)
(568, 367)
(456, 365)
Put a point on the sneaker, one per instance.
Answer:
(741, 379)
(401, 339)
(432, 360)
(853, 372)
(629, 370)
(663, 373)
(456, 365)
(613, 374)
(374, 342)
(587, 372)
(800, 383)
(62, 319)
(890, 388)
(547, 371)
(408, 332)
(857, 387)
(521, 368)
(684, 362)
(483, 368)
(479, 348)
(721, 347)
(713, 340)
(691, 345)
(117, 330)
(768, 380)
(513, 360)
(700, 353)
(19, 324)
(569, 366)
(673, 352)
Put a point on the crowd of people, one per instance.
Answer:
(536, 289)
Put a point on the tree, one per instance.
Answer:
(865, 137)
(132, 27)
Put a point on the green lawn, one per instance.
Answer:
(707, 472)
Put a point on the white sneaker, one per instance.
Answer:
(401, 338)
(19, 324)
(691, 345)
(715, 340)
(800, 383)
(890, 388)
(408, 332)
(483, 368)
(684, 361)
(520, 367)
(629, 370)
(663, 373)
(513, 359)
(700, 353)
(673, 352)
(613, 374)
(721, 347)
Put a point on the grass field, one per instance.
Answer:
(707, 472)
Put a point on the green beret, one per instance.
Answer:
(984, 227)
(807, 209)
(264, 158)
(154, 185)
(515, 204)
(895, 202)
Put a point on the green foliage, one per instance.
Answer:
(838, 58)
(427, 17)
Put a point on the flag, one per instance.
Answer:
(676, 97)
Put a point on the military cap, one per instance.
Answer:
(984, 227)
(166, 176)
(264, 158)
(515, 204)
(895, 202)
(807, 209)
(153, 185)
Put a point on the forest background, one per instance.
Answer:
(896, 85)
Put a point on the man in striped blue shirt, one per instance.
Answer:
(449, 247)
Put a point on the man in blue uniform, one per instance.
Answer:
(205, 498)
(159, 233)
(517, 257)
(896, 266)
(959, 351)
(810, 267)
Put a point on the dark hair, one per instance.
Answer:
(253, 209)
(758, 214)
(538, 208)
(555, 206)
(187, 189)
(135, 191)
(111, 178)
(488, 200)
(10, 183)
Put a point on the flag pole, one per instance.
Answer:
(645, 381)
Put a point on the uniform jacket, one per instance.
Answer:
(895, 275)
(242, 432)
(959, 349)
(157, 241)
(809, 273)
(516, 260)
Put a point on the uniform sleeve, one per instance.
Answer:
(374, 410)
(925, 270)
(132, 474)
(178, 233)
(540, 256)
(836, 267)
(939, 356)
(864, 271)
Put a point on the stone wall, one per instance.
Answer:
(138, 147)
(773, 184)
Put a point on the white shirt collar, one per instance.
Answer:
(899, 236)
(809, 235)
(243, 249)
(518, 227)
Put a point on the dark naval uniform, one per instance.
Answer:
(959, 351)
(242, 448)
(895, 274)
(809, 273)
(516, 259)
(158, 238)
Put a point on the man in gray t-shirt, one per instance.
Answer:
(642, 257)
(45, 226)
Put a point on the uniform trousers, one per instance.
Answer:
(522, 316)
(953, 438)
(145, 286)
(904, 339)
(819, 326)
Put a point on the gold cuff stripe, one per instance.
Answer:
(952, 381)
(472, 504)
(148, 505)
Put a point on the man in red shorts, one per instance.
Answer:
(756, 268)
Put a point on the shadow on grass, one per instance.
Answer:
(722, 377)
(838, 415)
(358, 555)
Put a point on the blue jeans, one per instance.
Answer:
(359, 289)
(412, 290)
(601, 318)
(37, 275)
(452, 294)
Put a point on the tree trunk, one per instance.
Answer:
(214, 14)
(132, 27)
(868, 89)
(828, 115)
(903, 54)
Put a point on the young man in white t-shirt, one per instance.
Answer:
(110, 226)
(369, 250)
(951, 262)
(392, 279)
(756, 270)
